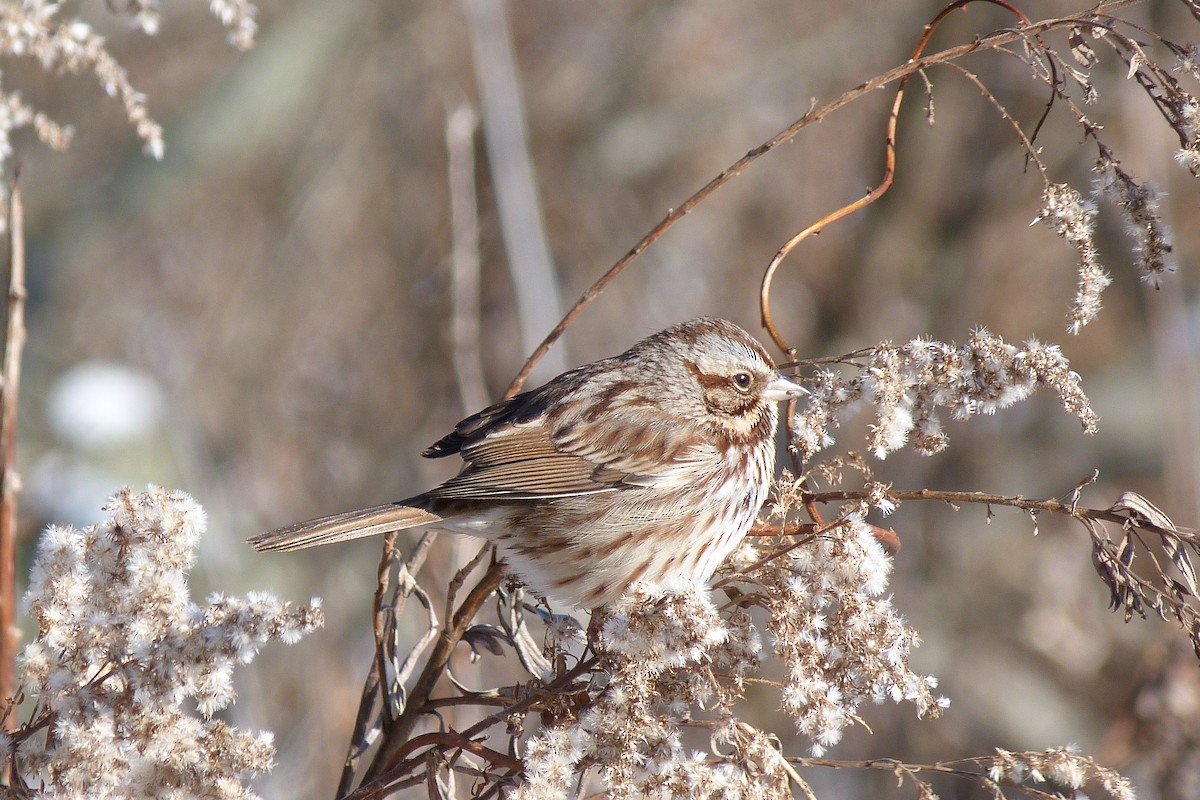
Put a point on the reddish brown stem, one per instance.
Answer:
(980, 498)
(885, 183)
(447, 739)
(9, 481)
(443, 648)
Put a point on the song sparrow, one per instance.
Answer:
(647, 466)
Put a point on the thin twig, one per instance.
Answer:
(983, 498)
(460, 577)
(959, 769)
(512, 619)
(383, 619)
(374, 786)
(367, 722)
(1030, 151)
(530, 700)
(405, 670)
(469, 700)
(443, 647)
(780, 552)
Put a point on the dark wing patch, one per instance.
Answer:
(478, 425)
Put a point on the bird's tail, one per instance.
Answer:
(340, 527)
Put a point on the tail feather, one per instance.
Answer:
(341, 527)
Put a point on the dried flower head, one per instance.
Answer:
(1074, 219)
(842, 640)
(907, 385)
(121, 651)
(670, 661)
(1187, 60)
(1062, 767)
(1138, 204)
(668, 653)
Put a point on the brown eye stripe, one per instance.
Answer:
(706, 381)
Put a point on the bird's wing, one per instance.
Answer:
(515, 450)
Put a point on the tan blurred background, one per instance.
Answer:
(279, 288)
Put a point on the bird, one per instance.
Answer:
(648, 467)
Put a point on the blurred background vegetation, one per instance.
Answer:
(274, 300)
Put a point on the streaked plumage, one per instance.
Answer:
(642, 467)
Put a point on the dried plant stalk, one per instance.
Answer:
(10, 374)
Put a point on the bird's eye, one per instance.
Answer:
(742, 380)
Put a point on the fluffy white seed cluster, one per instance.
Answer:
(1068, 214)
(1189, 159)
(843, 641)
(907, 385)
(122, 652)
(683, 629)
(1139, 208)
(1187, 61)
(1063, 767)
(1074, 219)
(669, 653)
(1186, 109)
(673, 661)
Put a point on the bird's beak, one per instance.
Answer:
(782, 389)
